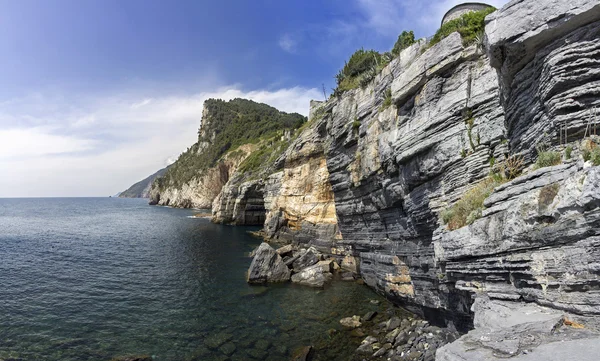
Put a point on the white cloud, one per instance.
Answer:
(94, 147)
(287, 43)
(141, 104)
(34, 142)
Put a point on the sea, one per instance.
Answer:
(106, 278)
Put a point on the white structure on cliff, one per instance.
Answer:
(462, 9)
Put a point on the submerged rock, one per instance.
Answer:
(351, 322)
(218, 339)
(267, 266)
(133, 358)
(303, 354)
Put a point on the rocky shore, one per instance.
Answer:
(394, 334)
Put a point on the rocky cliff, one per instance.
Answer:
(292, 198)
(462, 170)
(229, 133)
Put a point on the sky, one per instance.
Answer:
(98, 94)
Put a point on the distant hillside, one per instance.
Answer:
(229, 132)
(141, 189)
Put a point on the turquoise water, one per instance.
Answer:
(97, 278)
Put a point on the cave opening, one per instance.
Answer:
(254, 211)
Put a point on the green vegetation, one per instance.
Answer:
(269, 150)
(358, 70)
(547, 159)
(568, 151)
(138, 189)
(406, 39)
(470, 206)
(470, 26)
(364, 65)
(226, 126)
(590, 151)
(387, 99)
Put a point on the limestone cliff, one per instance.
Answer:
(293, 198)
(371, 176)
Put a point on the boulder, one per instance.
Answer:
(370, 315)
(285, 250)
(307, 259)
(326, 265)
(267, 266)
(312, 276)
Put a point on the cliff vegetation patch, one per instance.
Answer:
(470, 26)
(547, 158)
(227, 125)
(470, 207)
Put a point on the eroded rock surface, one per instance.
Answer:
(267, 266)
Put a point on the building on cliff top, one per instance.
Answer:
(462, 9)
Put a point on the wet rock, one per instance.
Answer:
(347, 276)
(228, 348)
(257, 354)
(414, 355)
(383, 350)
(262, 344)
(369, 316)
(365, 349)
(303, 354)
(312, 276)
(267, 266)
(121, 358)
(391, 336)
(357, 332)
(393, 323)
(307, 259)
(351, 322)
(216, 340)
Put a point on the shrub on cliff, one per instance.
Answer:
(406, 39)
(358, 70)
(266, 154)
(469, 26)
(469, 207)
(590, 151)
(547, 159)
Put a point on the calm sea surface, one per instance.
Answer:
(97, 278)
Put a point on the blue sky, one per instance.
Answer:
(98, 94)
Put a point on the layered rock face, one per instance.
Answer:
(393, 174)
(547, 56)
(366, 181)
(295, 203)
(451, 113)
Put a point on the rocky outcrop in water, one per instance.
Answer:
(267, 266)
